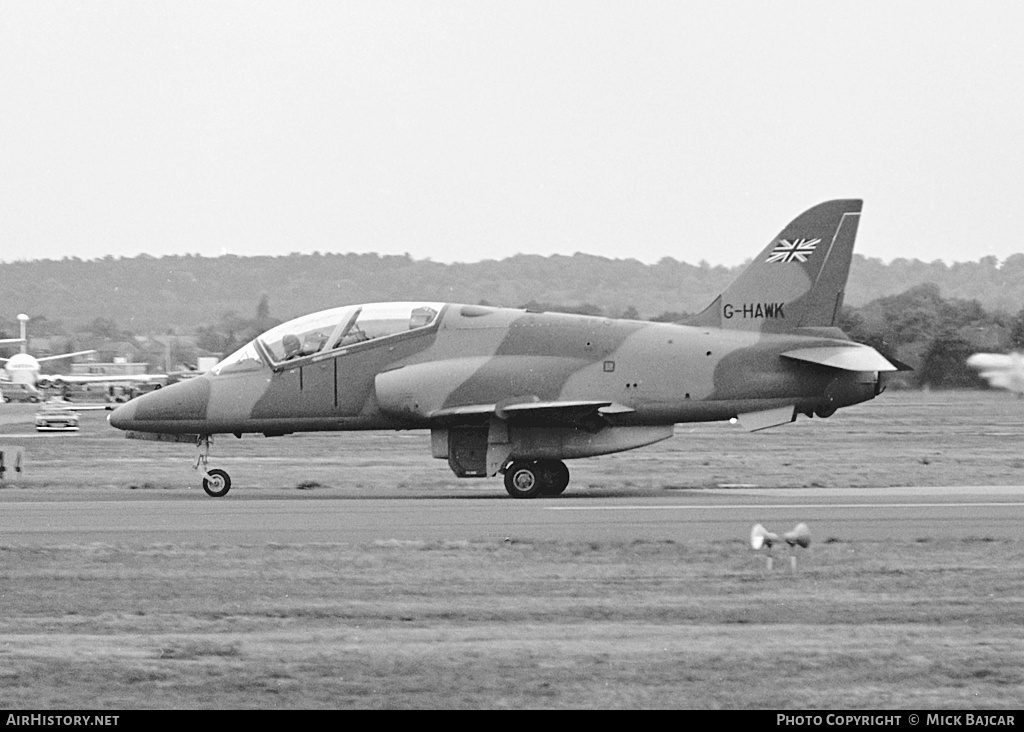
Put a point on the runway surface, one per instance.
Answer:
(898, 514)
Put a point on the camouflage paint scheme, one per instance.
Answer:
(517, 392)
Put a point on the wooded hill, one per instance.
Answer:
(180, 294)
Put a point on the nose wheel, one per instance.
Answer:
(216, 482)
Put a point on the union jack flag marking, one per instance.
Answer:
(793, 250)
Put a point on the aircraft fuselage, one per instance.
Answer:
(658, 373)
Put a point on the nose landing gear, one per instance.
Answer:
(216, 482)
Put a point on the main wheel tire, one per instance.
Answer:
(554, 477)
(521, 480)
(217, 484)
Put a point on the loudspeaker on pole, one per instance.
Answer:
(799, 536)
(761, 537)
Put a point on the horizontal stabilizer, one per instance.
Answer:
(754, 421)
(847, 358)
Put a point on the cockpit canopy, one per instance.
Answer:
(330, 330)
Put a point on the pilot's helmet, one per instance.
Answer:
(292, 345)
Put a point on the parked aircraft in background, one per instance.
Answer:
(518, 392)
(26, 369)
(1002, 370)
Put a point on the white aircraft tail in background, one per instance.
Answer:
(1002, 370)
(24, 368)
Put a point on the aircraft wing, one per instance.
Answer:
(65, 355)
(539, 413)
(58, 403)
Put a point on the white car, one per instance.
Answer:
(56, 418)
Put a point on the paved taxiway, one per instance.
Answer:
(704, 515)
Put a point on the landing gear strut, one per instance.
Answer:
(216, 482)
(531, 478)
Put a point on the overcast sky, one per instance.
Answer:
(462, 131)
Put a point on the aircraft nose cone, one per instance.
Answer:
(165, 410)
(123, 417)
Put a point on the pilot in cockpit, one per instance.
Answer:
(292, 346)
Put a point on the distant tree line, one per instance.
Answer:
(933, 334)
(182, 292)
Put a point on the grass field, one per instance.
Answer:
(912, 623)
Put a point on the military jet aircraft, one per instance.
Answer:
(518, 392)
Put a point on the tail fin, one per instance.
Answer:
(798, 280)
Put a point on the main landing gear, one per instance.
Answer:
(216, 482)
(531, 478)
